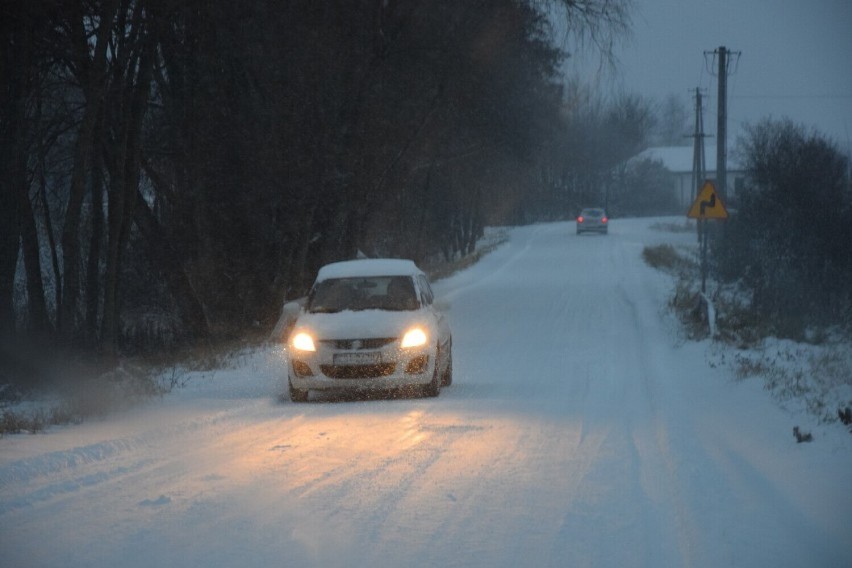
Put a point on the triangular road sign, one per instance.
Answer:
(708, 205)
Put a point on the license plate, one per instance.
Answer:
(369, 358)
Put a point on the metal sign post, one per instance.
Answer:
(707, 205)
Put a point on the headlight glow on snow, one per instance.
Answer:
(414, 337)
(303, 342)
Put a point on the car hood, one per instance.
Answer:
(362, 324)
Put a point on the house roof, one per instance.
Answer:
(678, 159)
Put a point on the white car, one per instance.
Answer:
(368, 325)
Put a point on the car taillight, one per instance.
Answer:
(604, 220)
(580, 219)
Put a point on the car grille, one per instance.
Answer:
(358, 371)
(370, 343)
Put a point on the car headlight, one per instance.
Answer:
(414, 337)
(303, 342)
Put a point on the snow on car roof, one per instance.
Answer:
(368, 267)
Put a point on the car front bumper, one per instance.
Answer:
(392, 368)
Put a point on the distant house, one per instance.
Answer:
(678, 161)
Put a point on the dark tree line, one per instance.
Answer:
(584, 165)
(790, 242)
(178, 167)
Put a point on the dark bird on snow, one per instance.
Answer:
(845, 416)
(802, 436)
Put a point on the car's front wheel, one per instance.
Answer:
(433, 388)
(297, 395)
(447, 377)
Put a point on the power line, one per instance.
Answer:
(814, 96)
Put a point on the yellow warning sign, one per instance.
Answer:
(708, 205)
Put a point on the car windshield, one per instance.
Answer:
(593, 213)
(394, 293)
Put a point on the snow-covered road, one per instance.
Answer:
(579, 431)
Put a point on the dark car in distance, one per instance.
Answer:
(592, 219)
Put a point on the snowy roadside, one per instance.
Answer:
(804, 378)
(811, 377)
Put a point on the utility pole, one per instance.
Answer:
(699, 171)
(722, 125)
(699, 168)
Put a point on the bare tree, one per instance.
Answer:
(672, 122)
(87, 36)
(206, 158)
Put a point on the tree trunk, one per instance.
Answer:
(9, 247)
(14, 87)
(165, 257)
(48, 220)
(38, 320)
(93, 269)
(130, 106)
(116, 218)
(93, 83)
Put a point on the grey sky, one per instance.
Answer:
(796, 59)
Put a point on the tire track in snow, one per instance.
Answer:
(70, 486)
(22, 482)
(656, 465)
(631, 459)
(572, 313)
(516, 251)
